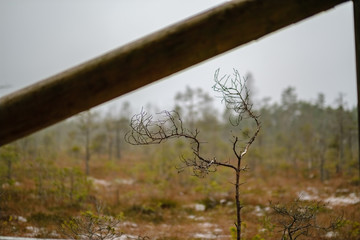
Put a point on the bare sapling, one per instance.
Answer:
(146, 130)
(300, 219)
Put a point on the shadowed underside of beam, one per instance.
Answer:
(147, 60)
(357, 55)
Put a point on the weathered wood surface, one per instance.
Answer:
(357, 55)
(146, 60)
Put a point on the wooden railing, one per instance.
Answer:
(146, 60)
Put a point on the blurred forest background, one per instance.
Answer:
(305, 149)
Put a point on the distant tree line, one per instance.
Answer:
(318, 140)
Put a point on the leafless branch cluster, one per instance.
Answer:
(236, 96)
(201, 167)
(93, 227)
(146, 130)
(300, 219)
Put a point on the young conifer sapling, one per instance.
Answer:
(235, 95)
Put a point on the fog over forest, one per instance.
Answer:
(304, 159)
(258, 143)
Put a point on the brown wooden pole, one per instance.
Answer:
(147, 60)
(356, 4)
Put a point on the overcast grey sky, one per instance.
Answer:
(40, 38)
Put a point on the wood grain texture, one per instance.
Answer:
(146, 60)
(356, 6)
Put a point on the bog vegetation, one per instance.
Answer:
(301, 179)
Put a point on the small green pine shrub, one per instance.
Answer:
(299, 219)
(92, 227)
(349, 230)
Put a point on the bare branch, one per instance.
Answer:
(145, 131)
(299, 218)
(236, 96)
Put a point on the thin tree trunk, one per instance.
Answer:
(322, 170)
(110, 147)
(237, 200)
(341, 144)
(87, 152)
(71, 185)
(117, 143)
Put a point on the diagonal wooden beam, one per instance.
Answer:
(146, 60)
(356, 5)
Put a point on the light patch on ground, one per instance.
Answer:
(20, 219)
(306, 196)
(212, 231)
(343, 200)
(126, 237)
(210, 236)
(310, 194)
(258, 211)
(196, 206)
(342, 191)
(206, 225)
(129, 224)
(346, 199)
(100, 182)
(330, 234)
(205, 235)
(7, 185)
(201, 218)
(34, 231)
(125, 181)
